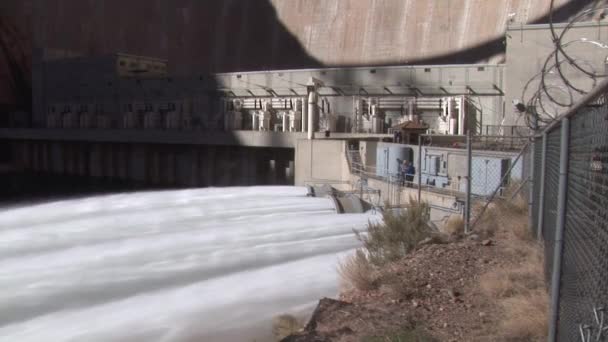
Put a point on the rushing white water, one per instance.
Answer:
(191, 265)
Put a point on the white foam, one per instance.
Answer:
(206, 265)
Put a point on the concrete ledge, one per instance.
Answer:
(234, 138)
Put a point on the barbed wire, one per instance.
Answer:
(564, 77)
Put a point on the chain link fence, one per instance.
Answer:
(500, 176)
(570, 215)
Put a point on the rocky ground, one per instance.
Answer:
(431, 294)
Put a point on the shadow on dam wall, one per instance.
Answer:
(197, 37)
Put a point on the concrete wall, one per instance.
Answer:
(333, 32)
(368, 153)
(528, 48)
(236, 138)
(321, 161)
(234, 35)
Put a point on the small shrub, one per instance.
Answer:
(398, 234)
(519, 204)
(285, 325)
(521, 230)
(454, 227)
(398, 287)
(487, 221)
(357, 272)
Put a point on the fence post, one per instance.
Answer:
(419, 171)
(541, 190)
(533, 172)
(467, 213)
(559, 228)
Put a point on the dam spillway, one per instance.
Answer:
(208, 265)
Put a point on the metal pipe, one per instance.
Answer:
(312, 113)
(541, 191)
(559, 229)
(531, 185)
(419, 168)
(304, 116)
(467, 213)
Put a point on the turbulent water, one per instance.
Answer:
(191, 265)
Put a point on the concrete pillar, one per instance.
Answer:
(83, 160)
(95, 161)
(57, 153)
(170, 177)
(70, 159)
(137, 163)
(25, 155)
(155, 167)
(35, 157)
(285, 122)
(186, 167)
(103, 162)
(122, 161)
(45, 150)
(291, 172)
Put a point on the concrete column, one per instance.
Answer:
(285, 123)
(121, 166)
(80, 160)
(94, 161)
(203, 170)
(155, 167)
(46, 160)
(103, 161)
(170, 162)
(137, 163)
(291, 172)
(35, 157)
(69, 159)
(110, 161)
(57, 153)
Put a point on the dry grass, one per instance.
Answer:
(519, 203)
(357, 272)
(509, 216)
(285, 325)
(506, 283)
(519, 289)
(454, 227)
(526, 316)
(397, 234)
(487, 224)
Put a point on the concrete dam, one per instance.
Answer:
(374, 102)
